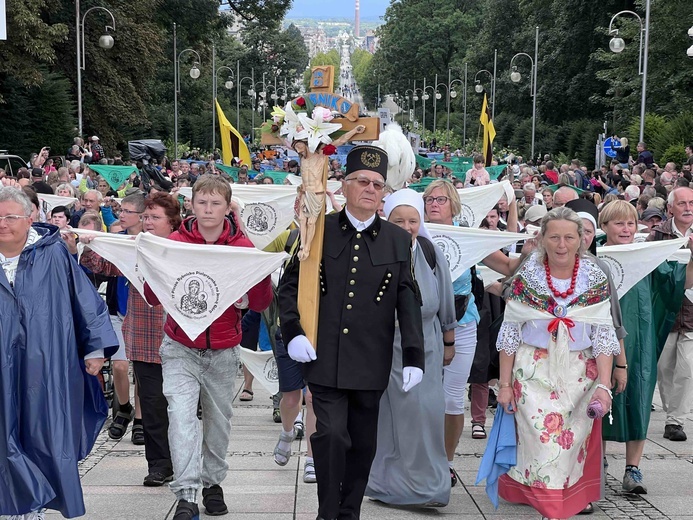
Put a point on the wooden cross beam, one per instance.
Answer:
(309, 276)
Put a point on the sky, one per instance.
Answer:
(336, 8)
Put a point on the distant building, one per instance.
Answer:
(371, 42)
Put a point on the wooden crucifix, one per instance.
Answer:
(314, 171)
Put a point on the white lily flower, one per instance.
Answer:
(292, 125)
(318, 130)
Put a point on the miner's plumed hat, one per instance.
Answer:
(367, 157)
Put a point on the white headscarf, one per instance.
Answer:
(408, 197)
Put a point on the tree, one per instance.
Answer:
(31, 42)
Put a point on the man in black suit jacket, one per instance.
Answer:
(366, 277)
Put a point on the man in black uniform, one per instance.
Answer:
(366, 275)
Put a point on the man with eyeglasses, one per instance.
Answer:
(117, 290)
(52, 407)
(365, 277)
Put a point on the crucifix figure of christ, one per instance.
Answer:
(312, 190)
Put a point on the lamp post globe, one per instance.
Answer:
(251, 92)
(690, 32)
(229, 84)
(194, 72)
(617, 45)
(453, 94)
(689, 52)
(438, 95)
(415, 98)
(515, 76)
(106, 41)
(478, 88)
(425, 97)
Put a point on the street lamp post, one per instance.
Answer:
(406, 95)
(515, 77)
(228, 84)
(105, 42)
(425, 98)
(452, 94)
(617, 45)
(479, 88)
(194, 74)
(464, 100)
(239, 85)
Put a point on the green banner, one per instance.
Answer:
(115, 176)
(277, 176)
(231, 171)
(422, 184)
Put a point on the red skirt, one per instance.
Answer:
(563, 503)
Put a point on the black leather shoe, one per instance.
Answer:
(213, 500)
(186, 511)
(674, 432)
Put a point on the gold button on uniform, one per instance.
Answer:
(389, 275)
(353, 269)
(380, 293)
(357, 247)
(358, 235)
(352, 282)
(378, 298)
(346, 331)
(349, 307)
(356, 259)
(351, 295)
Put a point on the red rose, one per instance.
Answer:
(301, 102)
(553, 422)
(517, 390)
(544, 437)
(539, 484)
(553, 396)
(540, 353)
(329, 149)
(565, 439)
(591, 369)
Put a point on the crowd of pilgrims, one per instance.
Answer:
(498, 345)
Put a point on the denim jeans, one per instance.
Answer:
(210, 376)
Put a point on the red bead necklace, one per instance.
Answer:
(571, 289)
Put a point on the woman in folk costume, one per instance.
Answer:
(556, 346)
(410, 465)
(650, 308)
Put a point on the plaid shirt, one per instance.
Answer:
(143, 326)
(143, 329)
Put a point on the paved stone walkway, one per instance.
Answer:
(257, 488)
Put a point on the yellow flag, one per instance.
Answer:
(489, 131)
(232, 143)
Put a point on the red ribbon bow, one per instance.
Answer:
(553, 326)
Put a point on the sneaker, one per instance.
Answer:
(213, 500)
(632, 482)
(299, 429)
(309, 473)
(674, 432)
(157, 478)
(186, 511)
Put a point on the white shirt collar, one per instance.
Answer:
(676, 230)
(359, 225)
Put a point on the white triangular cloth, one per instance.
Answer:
(48, 202)
(463, 247)
(266, 210)
(477, 202)
(196, 283)
(120, 250)
(630, 263)
(263, 367)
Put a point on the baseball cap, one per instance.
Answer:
(95, 138)
(36, 172)
(535, 213)
(652, 212)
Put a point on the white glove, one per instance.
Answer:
(301, 350)
(412, 376)
(242, 302)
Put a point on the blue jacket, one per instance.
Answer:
(51, 410)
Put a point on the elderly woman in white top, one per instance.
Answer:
(557, 342)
